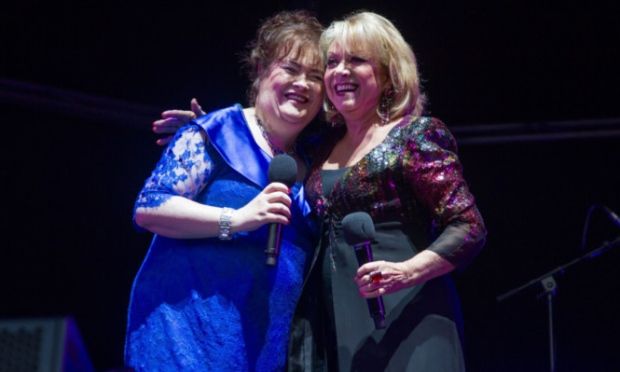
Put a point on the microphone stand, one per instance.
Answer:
(549, 285)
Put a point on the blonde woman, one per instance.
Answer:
(384, 158)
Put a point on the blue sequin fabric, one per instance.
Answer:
(206, 304)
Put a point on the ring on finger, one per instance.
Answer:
(375, 277)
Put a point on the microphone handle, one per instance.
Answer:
(377, 311)
(273, 244)
(363, 253)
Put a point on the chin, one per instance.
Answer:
(298, 114)
(345, 107)
(344, 103)
(300, 118)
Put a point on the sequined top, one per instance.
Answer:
(413, 176)
(413, 188)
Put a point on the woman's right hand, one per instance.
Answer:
(172, 120)
(272, 205)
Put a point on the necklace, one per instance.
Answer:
(274, 149)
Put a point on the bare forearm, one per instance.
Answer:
(394, 276)
(183, 218)
(180, 218)
(425, 266)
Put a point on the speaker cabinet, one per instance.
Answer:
(42, 345)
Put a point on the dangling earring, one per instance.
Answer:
(385, 105)
(336, 120)
(329, 107)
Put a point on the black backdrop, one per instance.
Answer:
(71, 174)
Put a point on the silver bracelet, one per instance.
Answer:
(224, 224)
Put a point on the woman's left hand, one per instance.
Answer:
(382, 277)
(377, 278)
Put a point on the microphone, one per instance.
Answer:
(612, 216)
(359, 231)
(283, 168)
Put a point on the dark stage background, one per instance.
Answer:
(529, 87)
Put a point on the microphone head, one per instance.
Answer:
(283, 168)
(358, 228)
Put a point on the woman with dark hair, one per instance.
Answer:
(204, 299)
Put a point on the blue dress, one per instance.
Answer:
(206, 304)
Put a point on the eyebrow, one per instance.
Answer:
(358, 54)
(298, 65)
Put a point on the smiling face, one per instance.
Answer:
(353, 81)
(291, 89)
(375, 40)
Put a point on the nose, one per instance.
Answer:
(342, 68)
(301, 82)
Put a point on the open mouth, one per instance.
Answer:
(296, 97)
(345, 88)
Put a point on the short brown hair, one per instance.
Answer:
(276, 37)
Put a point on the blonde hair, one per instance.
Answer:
(375, 34)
